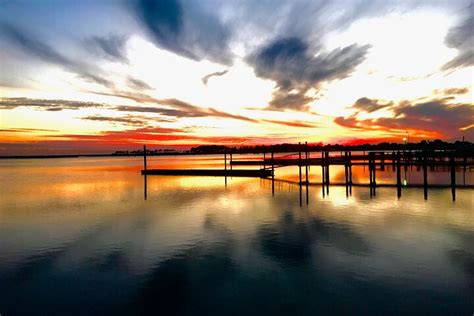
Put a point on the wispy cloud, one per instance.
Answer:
(128, 120)
(47, 104)
(39, 49)
(293, 123)
(206, 78)
(137, 84)
(110, 46)
(26, 130)
(177, 108)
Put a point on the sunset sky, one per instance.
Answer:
(99, 76)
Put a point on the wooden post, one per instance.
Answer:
(306, 162)
(453, 176)
(350, 172)
(299, 160)
(145, 184)
(399, 178)
(425, 176)
(144, 158)
(230, 163)
(225, 167)
(273, 176)
(370, 174)
(346, 173)
(327, 173)
(374, 168)
(323, 171)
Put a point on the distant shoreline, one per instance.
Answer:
(465, 147)
(94, 155)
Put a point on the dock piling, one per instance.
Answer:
(327, 172)
(306, 162)
(323, 174)
(144, 157)
(399, 178)
(425, 176)
(299, 161)
(273, 176)
(350, 173)
(145, 182)
(346, 173)
(453, 176)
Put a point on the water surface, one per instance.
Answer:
(77, 237)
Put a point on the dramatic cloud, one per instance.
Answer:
(461, 37)
(206, 78)
(185, 29)
(296, 69)
(437, 118)
(370, 105)
(111, 47)
(42, 51)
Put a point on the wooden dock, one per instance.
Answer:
(447, 160)
(251, 173)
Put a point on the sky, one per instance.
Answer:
(95, 76)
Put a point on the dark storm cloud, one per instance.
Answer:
(185, 29)
(370, 105)
(111, 46)
(42, 51)
(438, 116)
(296, 69)
(206, 78)
(461, 37)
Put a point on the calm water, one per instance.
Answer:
(77, 237)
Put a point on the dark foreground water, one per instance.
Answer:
(77, 237)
